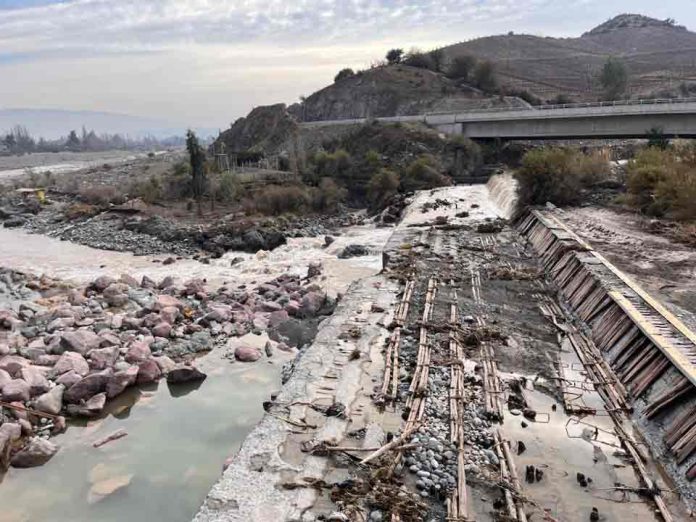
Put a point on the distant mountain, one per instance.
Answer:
(660, 57)
(54, 123)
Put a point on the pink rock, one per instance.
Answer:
(12, 364)
(165, 364)
(16, 390)
(90, 408)
(162, 330)
(102, 358)
(283, 347)
(80, 341)
(246, 354)
(109, 338)
(100, 283)
(269, 306)
(88, 387)
(169, 314)
(46, 360)
(36, 379)
(69, 378)
(76, 297)
(259, 322)
(138, 352)
(292, 308)
(4, 378)
(148, 371)
(120, 381)
(312, 303)
(164, 301)
(129, 280)
(36, 453)
(71, 361)
(277, 318)
(51, 401)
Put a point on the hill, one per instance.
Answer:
(660, 57)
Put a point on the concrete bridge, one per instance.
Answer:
(621, 119)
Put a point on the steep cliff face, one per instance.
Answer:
(395, 90)
(263, 130)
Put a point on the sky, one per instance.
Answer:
(208, 62)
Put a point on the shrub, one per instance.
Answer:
(149, 191)
(663, 182)
(557, 175)
(467, 154)
(484, 77)
(424, 173)
(228, 187)
(461, 67)
(343, 74)
(328, 196)
(614, 79)
(101, 195)
(417, 58)
(382, 186)
(80, 210)
(394, 56)
(276, 199)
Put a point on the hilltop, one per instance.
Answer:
(658, 54)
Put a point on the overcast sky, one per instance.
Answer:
(206, 62)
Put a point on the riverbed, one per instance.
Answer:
(177, 438)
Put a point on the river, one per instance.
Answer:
(177, 438)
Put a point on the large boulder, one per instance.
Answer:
(90, 408)
(80, 341)
(312, 303)
(247, 354)
(183, 373)
(88, 387)
(148, 372)
(138, 352)
(71, 361)
(36, 453)
(16, 390)
(120, 381)
(102, 282)
(165, 364)
(69, 378)
(36, 378)
(162, 329)
(51, 401)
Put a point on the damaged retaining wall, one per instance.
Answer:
(650, 350)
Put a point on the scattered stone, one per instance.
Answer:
(36, 453)
(51, 401)
(91, 408)
(247, 354)
(16, 390)
(148, 372)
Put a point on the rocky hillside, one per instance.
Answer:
(659, 55)
(393, 91)
(263, 130)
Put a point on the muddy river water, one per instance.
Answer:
(177, 438)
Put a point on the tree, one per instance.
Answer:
(343, 74)
(614, 79)
(197, 160)
(461, 67)
(437, 56)
(382, 186)
(73, 142)
(484, 77)
(420, 59)
(394, 56)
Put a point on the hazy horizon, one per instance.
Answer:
(204, 64)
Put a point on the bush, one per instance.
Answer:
(663, 182)
(328, 196)
(394, 56)
(343, 74)
(149, 191)
(416, 58)
(382, 186)
(484, 77)
(101, 195)
(424, 173)
(461, 67)
(557, 175)
(228, 187)
(276, 199)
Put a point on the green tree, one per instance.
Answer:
(461, 67)
(343, 74)
(614, 79)
(484, 76)
(437, 56)
(197, 160)
(394, 56)
(382, 186)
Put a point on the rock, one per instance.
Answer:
(162, 329)
(116, 294)
(292, 307)
(71, 361)
(16, 390)
(102, 282)
(276, 318)
(36, 453)
(121, 380)
(183, 373)
(146, 282)
(353, 251)
(268, 348)
(69, 378)
(4, 378)
(90, 408)
(314, 270)
(165, 364)
(14, 222)
(148, 371)
(12, 364)
(9, 433)
(247, 354)
(36, 379)
(270, 306)
(164, 301)
(129, 280)
(312, 303)
(104, 488)
(138, 352)
(80, 341)
(529, 413)
(51, 401)
(88, 387)
(328, 240)
(169, 314)
(103, 358)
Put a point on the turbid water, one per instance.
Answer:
(177, 438)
